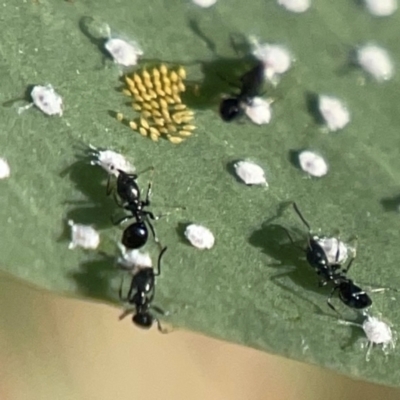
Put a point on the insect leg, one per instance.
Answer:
(349, 265)
(291, 239)
(329, 301)
(158, 272)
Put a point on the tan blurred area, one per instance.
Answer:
(56, 348)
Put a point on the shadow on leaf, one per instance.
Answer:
(356, 333)
(391, 204)
(89, 180)
(94, 276)
(273, 241)
(312, 102)
(92, 30)
(230, 168)
(294, 158)
(220, 74)
(25, 97)
(180, 230)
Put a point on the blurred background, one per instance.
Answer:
(60, 348)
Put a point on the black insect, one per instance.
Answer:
(251, 85)
(349, 293)
(127, 188)
(136, 234)
(141, 294)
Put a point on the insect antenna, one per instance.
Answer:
(296, 209)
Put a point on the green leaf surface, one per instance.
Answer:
(232, 291)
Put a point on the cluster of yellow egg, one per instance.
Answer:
(156, 94)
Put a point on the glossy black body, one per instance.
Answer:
(136, 234)
(318, 259)
(127, 188)
(352, 295)
(251, 84)
(143, 281)
(230, 109)
(334, 273)
(141, 295)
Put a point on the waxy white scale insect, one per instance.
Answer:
(133, 260)
(381, 8)
(84, 236)
(250, 173)
(204, 3)
(313, 163)
(4, 169)
(297, 6)
(377, 332)
(111, 161)
(46, 99)
(334, 112)
(199, 236)
(276, 58)
(259, 111)
(376, 61)
(123, 53)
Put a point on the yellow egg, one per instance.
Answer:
(156, 74)
(171, 128)
(163, 69)
(144, 123)
(181, 72)
(142, 131)
(184, 133)
(174, 76)
(175, 139)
